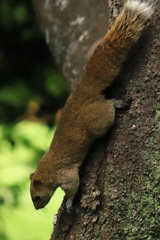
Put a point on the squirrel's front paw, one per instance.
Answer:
(123, 103)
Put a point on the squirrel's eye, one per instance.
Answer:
(37, 197)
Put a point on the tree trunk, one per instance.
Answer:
(119, 194)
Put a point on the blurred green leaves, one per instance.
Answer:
(22, 145)
(11, 12)
(54, 87)
(20, 13)
(5, 13)
(14, 94)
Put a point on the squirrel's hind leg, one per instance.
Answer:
(99, 117)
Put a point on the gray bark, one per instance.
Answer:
(71, 28)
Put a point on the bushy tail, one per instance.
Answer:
(105, 63)
(128, 25)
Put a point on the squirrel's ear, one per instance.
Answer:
(37, 182)
(31, 175)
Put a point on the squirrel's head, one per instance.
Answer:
(41, 192)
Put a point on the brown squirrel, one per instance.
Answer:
(87, 115)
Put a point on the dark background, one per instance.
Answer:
(29, 80)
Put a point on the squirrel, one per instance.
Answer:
(87, 114)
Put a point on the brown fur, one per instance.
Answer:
(87, 115)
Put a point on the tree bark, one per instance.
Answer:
(119, 194)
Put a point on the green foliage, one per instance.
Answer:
(54, 87)
(20, 13)
(22, 145)
(13, 93)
